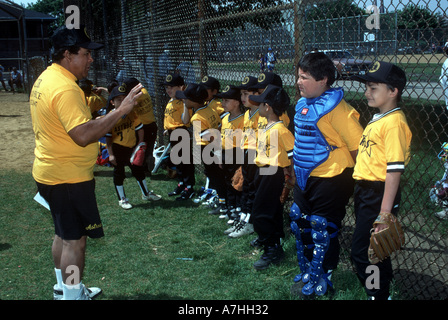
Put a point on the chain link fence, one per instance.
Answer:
(225, 39)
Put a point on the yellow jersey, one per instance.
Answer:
(58, 105)
(204, 119)
(173, 115)
(95, 102)
(123, 132)
(216, 105)
(341, 128)
(384, 147)
(232, 131)
(274, 146)
(250, 128)
(144, 108)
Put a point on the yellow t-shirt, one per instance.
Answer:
(262, 121)
(204, 119)
(250, 128)
(144, 109)
(384, 147)
(341, 128)
(58, 105)
(216, 105)
(232, 131)
(123, 132)
(95, 102)
(274, 146)
(173, 115)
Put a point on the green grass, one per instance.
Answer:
(138, 257)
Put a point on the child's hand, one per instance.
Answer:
(112, 160)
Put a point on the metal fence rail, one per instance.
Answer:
(224, 39)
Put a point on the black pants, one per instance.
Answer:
(214, 174)
(249, 170)
(267, 213)
(326, 197)
(184, 169)
(232, 162)
(122, 156)
(368, 198)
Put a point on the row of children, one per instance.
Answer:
(330, 157)
(333, 159)
(239, 113)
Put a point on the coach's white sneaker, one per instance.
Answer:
(124, 203)
(83, 293)
(151, 196)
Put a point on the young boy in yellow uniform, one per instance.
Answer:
(172, 124)
(274, 152)
(327, 133)
(212, 85)
(120, 143)
(145, 112)
(241, 222)
(203, 120)
(232, 155)
(383, 153)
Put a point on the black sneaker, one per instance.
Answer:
(221, 208)
(271, 255)
(178, 190)
(256, 244)
(186, 194)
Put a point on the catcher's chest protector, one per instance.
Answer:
(310, 146)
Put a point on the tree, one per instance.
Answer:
(54, 8)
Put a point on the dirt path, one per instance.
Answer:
(17, 144)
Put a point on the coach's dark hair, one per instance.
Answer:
(58, 54)
(319, 66)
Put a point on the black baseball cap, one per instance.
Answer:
(210, 83)
(117, 91)
(230, 92)
(173, 80)
(194, 92)
(383, 72)
(266, 78)
(248, 82)
(65, 37)
(275, 96)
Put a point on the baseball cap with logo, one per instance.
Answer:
(248, 82)
(230, 92)
(194, 92)
(174, 80)
(275, 96)
(383, 72)
(266, 78)
(210, 83)
(117, 91)
(64, 37)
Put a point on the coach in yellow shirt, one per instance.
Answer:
(66, 150)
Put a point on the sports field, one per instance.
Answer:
(166, 250)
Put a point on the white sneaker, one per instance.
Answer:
(124, 203)
(85, 294)
(231, 229)
(442, 214)
(243, 229)
(151, 196)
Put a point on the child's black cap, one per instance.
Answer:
(384, 72)
(230, 92)
(248, 82)
(275, 96)
(173, 80)
(210, 83)
(118, 91)
(194, 92)
(266, 78)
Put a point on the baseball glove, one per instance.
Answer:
(237, 180)
(138, 156)
(387, 241)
